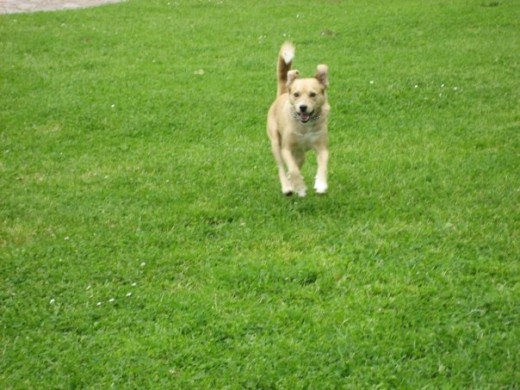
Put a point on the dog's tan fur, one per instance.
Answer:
(297, 122)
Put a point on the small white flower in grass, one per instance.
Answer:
(129, 294)
(134, 284)
(111, 300)
(99, 303)
(52, 301)
(113, 106)
(199, 72)
(143, 264)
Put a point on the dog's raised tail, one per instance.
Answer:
(285, 59)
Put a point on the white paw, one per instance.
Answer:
(320, 187)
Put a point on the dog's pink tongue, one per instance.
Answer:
(305, 117)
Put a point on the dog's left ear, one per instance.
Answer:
(322, 75)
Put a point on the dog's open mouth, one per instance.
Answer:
(304, 116)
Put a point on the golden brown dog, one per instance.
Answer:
(297, 122)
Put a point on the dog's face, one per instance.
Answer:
(307, 96)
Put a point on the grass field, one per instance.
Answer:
(144, 240)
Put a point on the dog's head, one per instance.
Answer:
(308, 96)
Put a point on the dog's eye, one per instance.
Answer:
(296, 94)
(312, 94)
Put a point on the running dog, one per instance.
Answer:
(297, 122)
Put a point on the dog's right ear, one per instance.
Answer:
(291, 76)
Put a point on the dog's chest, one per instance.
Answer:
(307, 139)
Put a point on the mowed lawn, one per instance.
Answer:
(144, 239)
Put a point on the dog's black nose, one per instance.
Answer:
(303, 108)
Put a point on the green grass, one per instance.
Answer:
(144, 241)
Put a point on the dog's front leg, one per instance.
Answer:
(320, 184)
(287, 188)
(295, 176)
